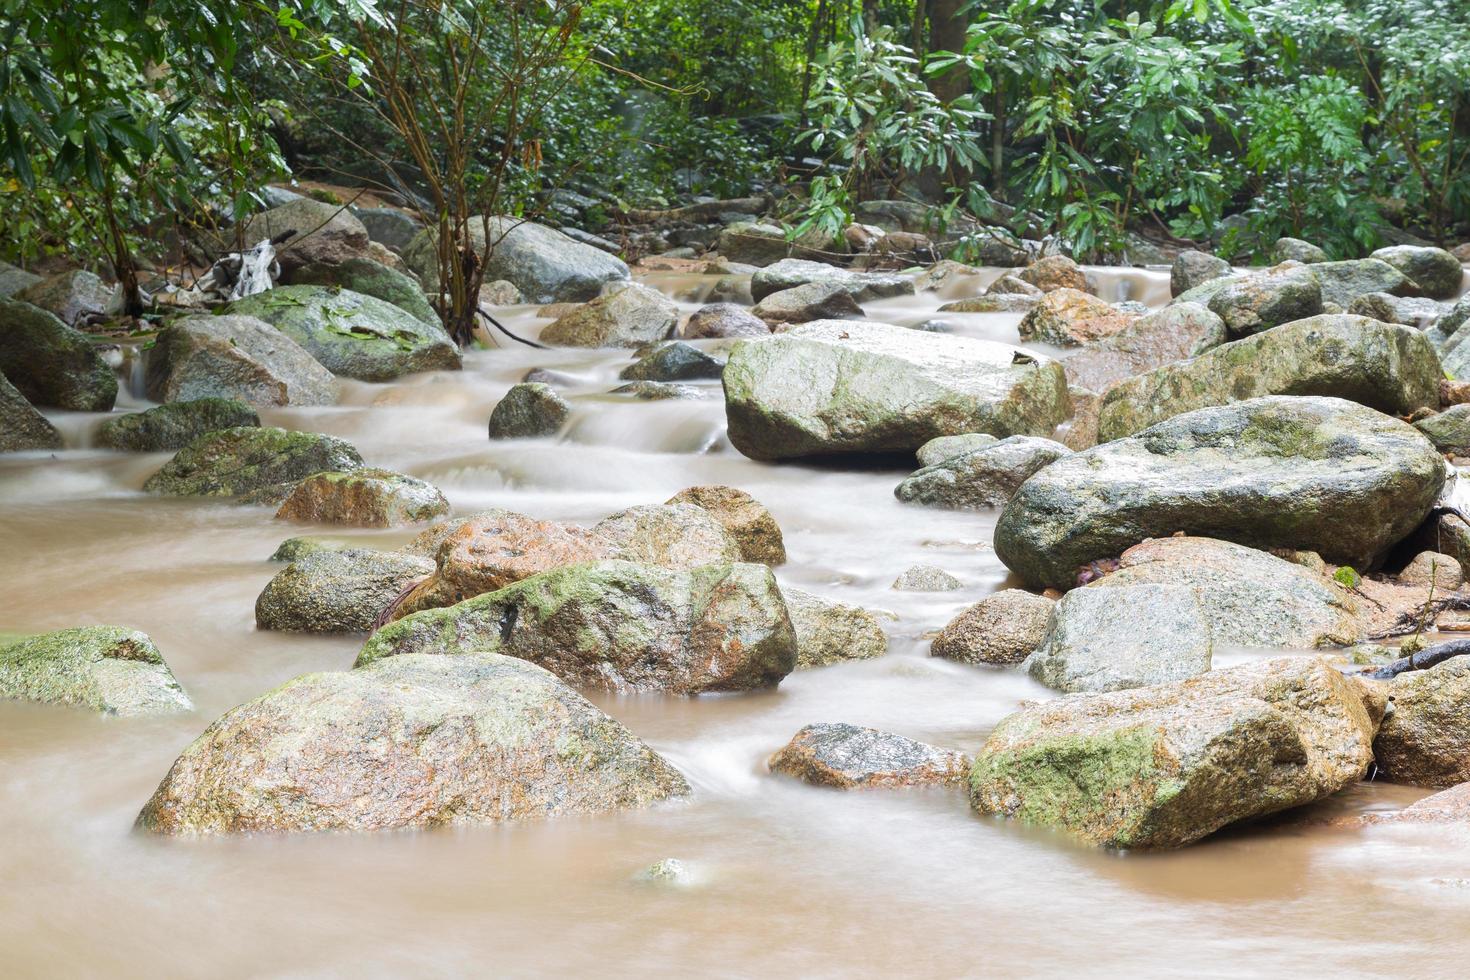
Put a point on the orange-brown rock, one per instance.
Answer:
(749, 522)
(1054, 272)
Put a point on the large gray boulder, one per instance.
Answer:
(1004, 628)
(1252, 303)
(173, 426)
(673, 535)
(389, 227)
(1437, 273)
(836, 386)
(1297, 250)
(1342, 282)
(50, 363)
(237, 357)
(413, 742)
(370, 278)
(842, 756)
(1163, 766)
(248, 460)
(13, 279)
(862, 286)
(109, 669)
(1449, 430)
(353, 335)
(1425, 739)
(983, 478)
(545, 265)
(807, 302)
(1175, 333)
(70, 295)
(627, 316)
(753, 243)
(337, 591)
(830, 632)
(1317, 474)
(1384, 366)
(21, 426)
(1410, 311)
(327, 233)
(619, 626)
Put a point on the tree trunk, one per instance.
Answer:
(947, 22)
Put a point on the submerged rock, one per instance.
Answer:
(1447, 806)
(926, 578)
(353, 335)
(862, 286)
(836, 386)
(337, 591)
(849, 757)
(1319, 474)
(1435, 271)
(174, 425)
(240, 461)
(237, 357)
(50, 363)
(1391, 368)
(110, 669)
(830, 632)
(1164, 766)
(630, 315)
(363, 498)
(1003, 628)
(673, 535)
(529, 410)
(1068, 317)
(619, 626)
(413, 742)
(746, 519)
(982, 478)
(1425, 738)
(21, 426)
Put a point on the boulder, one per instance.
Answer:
(248, 460)
(753, 243)
(938, 450)
(21, 426)
(1411, 311)
(721, 320)
(630, 316)
(388, 226)
(50, 363)
(363, 498)
(745, 519)
(1384, 366)
(1012, 285)
(925, 578)
(13, 279)
(370, 278)
(1296, 250)
(673, 535)
(836, 386)
(983, 478)
(1343, 282)
(1001, 629)
(1430, 569)
(333, 591)
(299, 547)
(619, 626)
(993, 303)
(69, 295)
(529, 410)
(676, 361)
(1448, 430)
(1435, 271)
(413, 742)
(328, 233)
(1318, 474)
(350, 334)
(175, 425)
(830, 632)
(849, 757)
(109, 669)
(1252, 303)
(490, 551)
(545, 265)
(236, 357)
(1163, 766)
(1425, 737)
(862, 286)
(809, 301)
(1124, 637)
(1175, 333)
(1067, 317)
(1054, 272)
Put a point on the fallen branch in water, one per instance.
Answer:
(501, 327)
(1423, 660)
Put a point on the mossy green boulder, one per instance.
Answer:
(370, 278)
(247, 460)
(50, 363)
(1315, 474)
(619, 626)
(838, 386)
(21, 426)
(331, 591)
(409, 743)
(351, 334)
(1436, 271)
(1449, 430)
(175, 425)
(1392, 368)
(109, 669)
(1163, 766)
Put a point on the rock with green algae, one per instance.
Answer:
(1255, 302)
(1342, 282)
(370, 278)
(1317, 474)
(248, 460)
(363, 498)
(1163, 766)
(1175, 333)
(50, 363)
(337, 591)
(1384, 366)
(1449, 430)
(843, 756)
(175, 425)
(409, 743)
(529, 410)
(301, 546)
(21, 426)
(830, 632)
(619, 626)
(110, 669)
(838, 386)
(673, 535)
(1436, 272)
(351, 334)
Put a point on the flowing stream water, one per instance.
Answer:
(784, 879)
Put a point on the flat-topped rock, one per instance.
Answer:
(850, 757)
(237, 357)
(109, 669)
(862, 286)
(240, 461)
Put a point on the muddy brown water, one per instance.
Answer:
(786, 880)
